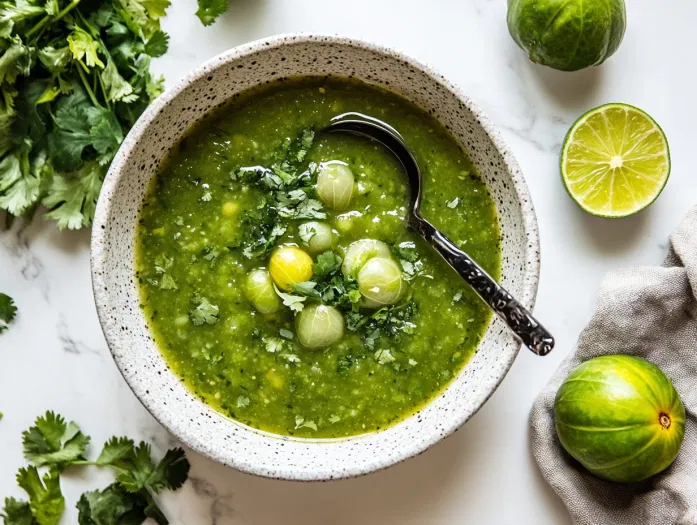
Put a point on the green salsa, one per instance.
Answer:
(240, 189)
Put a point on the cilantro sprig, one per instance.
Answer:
(57, 445)
(74, 78)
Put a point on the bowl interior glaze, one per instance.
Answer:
(116, 294)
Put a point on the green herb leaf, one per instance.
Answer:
(110, 506)
(300, 422)
(8, 311)
(204, 312)
(328, 263)
(14, 13)
(294, 302)
(158, 44)
(273, 344)
(115, 450)
(46, 500)
(17, 512)
(209, 10)
(72, 197)
(52, 441)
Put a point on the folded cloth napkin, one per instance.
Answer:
(652, 313)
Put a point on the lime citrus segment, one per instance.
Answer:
(615, 161)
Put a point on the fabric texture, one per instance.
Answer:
(649, 312)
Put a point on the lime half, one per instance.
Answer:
(615, 161)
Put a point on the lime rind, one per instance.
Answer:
(660, 182)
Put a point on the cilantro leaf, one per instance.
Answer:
(55, 60)
(46, 500)
(115, 450)
(52, 441)
(209, 10)
(14, 13)
(116, 86)
(294, 302)
(310, 209)
(137, 470)
(328, 263)
(72, 197)
(301, 422)
(82, 45)
(8, 310)
(407, 251)
(17, 512)
(204, 312)
(14, 61)
(19, 185)
(110, 506)
(157, 44)
(171, 471)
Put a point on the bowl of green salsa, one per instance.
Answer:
(255, 278)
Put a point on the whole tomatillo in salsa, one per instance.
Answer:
(277, 273)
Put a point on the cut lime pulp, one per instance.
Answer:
(615, 161)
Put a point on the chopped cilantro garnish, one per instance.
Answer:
(306, 231)
(273, 344)
(294, 302)
(300, 422)
(384, 356)
(204, 312)
(328, 263)
(288, 185)
(8, 311)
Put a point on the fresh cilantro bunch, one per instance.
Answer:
(74, 78)
(57, 445)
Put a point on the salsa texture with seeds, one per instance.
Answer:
(243, 186)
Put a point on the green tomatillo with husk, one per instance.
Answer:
(567, 34)
(620, 417)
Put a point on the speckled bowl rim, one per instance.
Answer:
(187, 434)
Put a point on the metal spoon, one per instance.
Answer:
(517, 317)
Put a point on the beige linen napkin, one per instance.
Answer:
(652, 313)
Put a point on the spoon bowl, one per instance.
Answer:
(519, 319)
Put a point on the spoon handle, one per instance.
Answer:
(516, 316)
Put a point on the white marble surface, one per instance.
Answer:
(55, 356)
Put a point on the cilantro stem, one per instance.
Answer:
(49, 18)
(86, 84)
(101, 83)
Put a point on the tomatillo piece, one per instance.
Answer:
(335, 185)
(319, 326)
(290, 265)
(359, 252)
(317, 236)
(259, 290)
(620, 417)
(567, 34)
(380, 282)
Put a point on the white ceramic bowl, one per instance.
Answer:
(116, 293)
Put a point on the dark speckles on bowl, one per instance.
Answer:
(116, 295)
